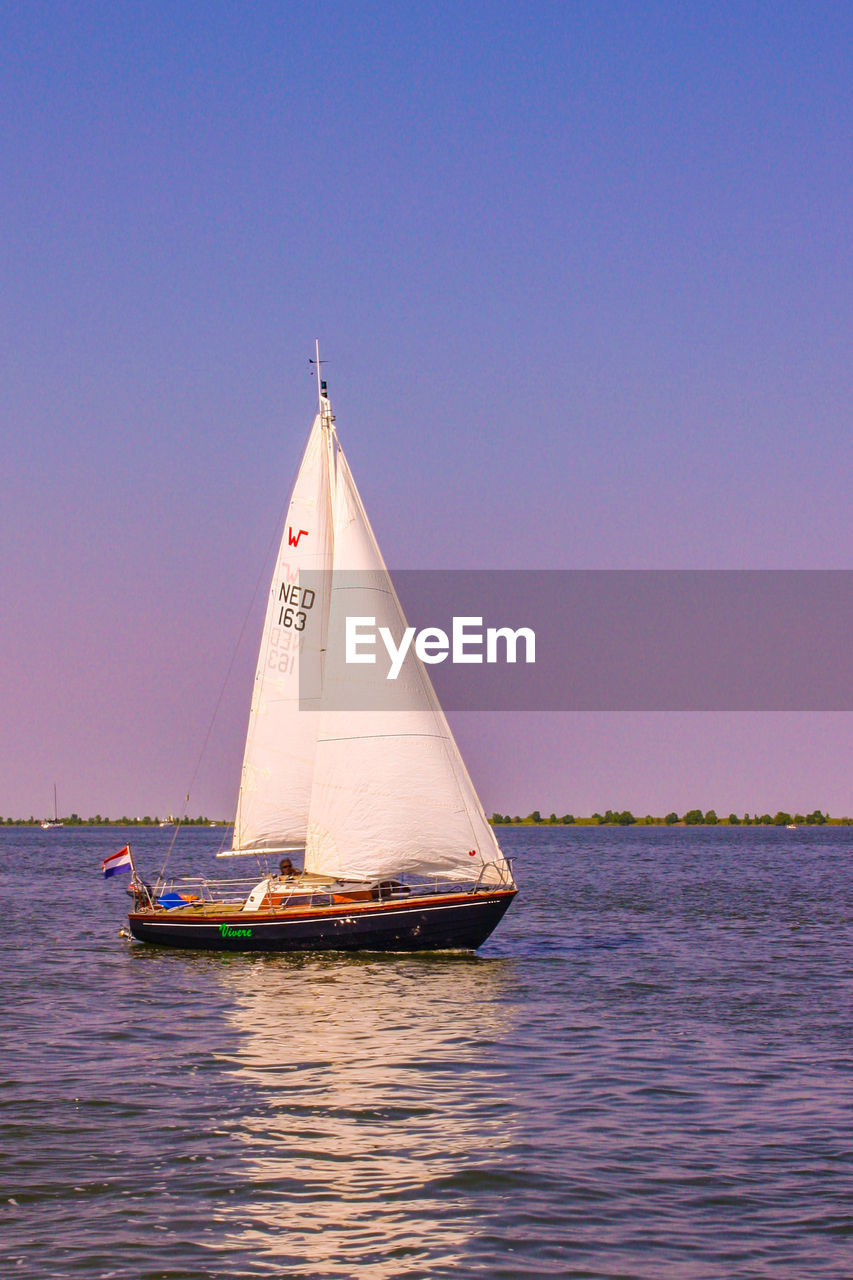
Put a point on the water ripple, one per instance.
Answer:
(645, 1073)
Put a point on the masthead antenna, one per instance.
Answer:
(317, 362)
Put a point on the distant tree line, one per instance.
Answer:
(692, 818)
(74, 820)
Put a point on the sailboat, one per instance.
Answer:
(47, 825)
(397, 853)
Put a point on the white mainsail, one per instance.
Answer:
(391, 793)
(371, 793)
(278, 764)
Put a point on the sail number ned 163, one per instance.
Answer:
(293, 605)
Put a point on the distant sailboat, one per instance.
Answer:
(47, 825)
(398, 853)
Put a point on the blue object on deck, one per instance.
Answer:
(171, 900)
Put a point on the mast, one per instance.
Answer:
(278, 761)
(327, 418)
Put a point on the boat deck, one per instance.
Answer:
(318, 903)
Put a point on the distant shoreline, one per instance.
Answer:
(692, 818)
(610, 818)
(74, 821)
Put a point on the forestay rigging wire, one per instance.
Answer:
(235, 649)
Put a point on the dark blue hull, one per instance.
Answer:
(451, 922)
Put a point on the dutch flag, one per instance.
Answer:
(112, 865)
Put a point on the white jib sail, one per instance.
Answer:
(391, 794)
(278, 763)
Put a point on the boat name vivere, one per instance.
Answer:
(433, 645)
(226, 931)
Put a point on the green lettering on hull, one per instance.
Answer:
(226, 931)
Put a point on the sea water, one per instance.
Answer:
(646, 1072)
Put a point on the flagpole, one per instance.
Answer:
(135, 880)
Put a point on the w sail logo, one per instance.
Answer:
(293, 538)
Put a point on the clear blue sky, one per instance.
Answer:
(583, 275)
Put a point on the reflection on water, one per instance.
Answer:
(381, 1093)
